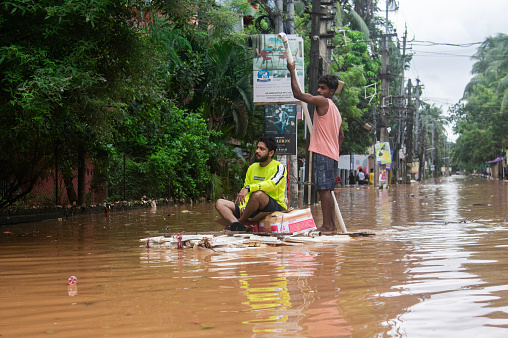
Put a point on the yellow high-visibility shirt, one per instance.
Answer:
(271, 179)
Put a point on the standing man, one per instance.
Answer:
(327, 137)
(263, 190)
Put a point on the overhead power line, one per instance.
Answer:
(440, 53)
(433, 43)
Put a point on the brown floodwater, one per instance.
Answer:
(437, 267)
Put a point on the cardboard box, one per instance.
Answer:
(256, 227)
(296, 222)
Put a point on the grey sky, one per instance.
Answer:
(446, 70)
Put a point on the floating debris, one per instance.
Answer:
(227, 242)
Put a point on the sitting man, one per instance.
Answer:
(263, 190)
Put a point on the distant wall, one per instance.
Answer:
(44, 192)
(359, 160)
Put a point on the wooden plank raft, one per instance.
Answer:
(232, 233)
(240, 240)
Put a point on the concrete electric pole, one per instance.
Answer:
(321, 37)
(409, 135)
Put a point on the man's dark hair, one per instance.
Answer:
(270, 143)
(331, 81)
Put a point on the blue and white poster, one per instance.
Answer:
(272, 83)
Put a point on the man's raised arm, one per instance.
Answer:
(305, 97)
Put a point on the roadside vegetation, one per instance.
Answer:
(481, 117)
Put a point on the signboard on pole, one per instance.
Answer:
(414, 167)
(280, 122)
(272, 83)
(383, 154)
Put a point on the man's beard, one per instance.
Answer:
(261, 159)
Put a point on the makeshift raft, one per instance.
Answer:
(228, 242)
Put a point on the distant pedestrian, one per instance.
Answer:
(371, 176)
(361, 177)
(352, 178)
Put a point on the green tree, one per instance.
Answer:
(167, 153)
(197, 73)
(61, 64)
(481, 117)
(492, 64)
(225, 91)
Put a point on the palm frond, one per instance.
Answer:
(357, 19)
(470, 86)
(244, 87)
(503, 84)
(340, 16)
(504, 102)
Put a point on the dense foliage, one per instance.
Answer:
(481, 118)
(61, 64)
(99, 79)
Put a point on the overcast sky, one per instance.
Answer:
(445, 70)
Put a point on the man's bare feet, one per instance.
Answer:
(327, 231)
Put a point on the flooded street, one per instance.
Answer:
(437, 267)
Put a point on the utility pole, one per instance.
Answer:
(409, 136)
(400, 109)
(375, 141)
(402, 91)
(402, 119)
(309, 192)
(292, 159)
(279, 9)
(433, 147)
(321, 37)
(385, 76)
(292, 163)
(423, 157)
(417, 112)
(436, 143)
(420, 135)
(384, 90)
(424, 146)
(290, 21)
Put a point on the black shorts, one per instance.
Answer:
(270, 207)
(325, 172)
